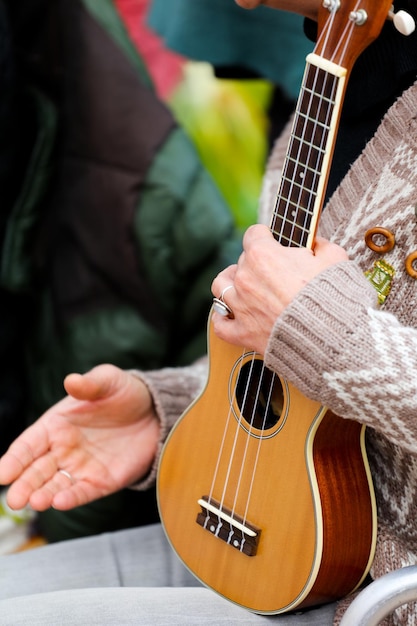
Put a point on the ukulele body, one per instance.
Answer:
(297, 521)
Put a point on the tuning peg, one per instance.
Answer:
(403, 22)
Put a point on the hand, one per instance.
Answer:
(308, 8)
(266, 279)
(104, 434)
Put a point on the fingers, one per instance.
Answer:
(248, 4)
(224, 278)
(37, 485)
(60, 491)
(78, 494)
(82, 387)
(12, 465)
(32, 444)
(265, 281)
(45, 484)
(256, 237)
(256, 232)
(93, 385)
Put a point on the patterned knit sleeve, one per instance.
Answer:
(337, 347)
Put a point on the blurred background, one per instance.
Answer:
(231, 78)
(99, 85)
(227, 120)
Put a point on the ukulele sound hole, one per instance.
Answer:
(259, 395)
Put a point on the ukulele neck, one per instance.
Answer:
(307, 164)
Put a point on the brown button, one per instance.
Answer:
(409, 264)
(374, 234)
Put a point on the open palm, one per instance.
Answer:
(98, 439)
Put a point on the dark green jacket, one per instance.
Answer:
(117, 230)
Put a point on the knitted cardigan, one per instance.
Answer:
(337, 345)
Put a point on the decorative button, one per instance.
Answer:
(374, 235)
(410, 264)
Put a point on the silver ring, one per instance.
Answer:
(220, 306)
(68, 475)
(224, 291)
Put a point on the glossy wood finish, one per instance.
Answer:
(311, 497)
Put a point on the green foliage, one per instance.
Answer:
(228, 124)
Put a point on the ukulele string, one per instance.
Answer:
(260, 381)
(326, 124)
(323, 120)
(258, 450)
(301, 163)
(226, 429)
(345, 37)
(326, 102)
(295, 159)
(323, 39)
(239, 429)
(250, 431)
(319, 121)
(251, 424)
(316, 146)
(239, 425)
(239, 421)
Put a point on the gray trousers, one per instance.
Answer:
(127, 577)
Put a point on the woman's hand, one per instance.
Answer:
(265, 280)
(103, 435)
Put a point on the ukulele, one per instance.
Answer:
(266, 495)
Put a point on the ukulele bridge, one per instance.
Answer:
(227, 526)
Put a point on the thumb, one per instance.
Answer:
(93, 385)
(328, 251)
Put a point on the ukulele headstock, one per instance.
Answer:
(347, 27)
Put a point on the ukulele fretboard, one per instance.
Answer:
(297, 206)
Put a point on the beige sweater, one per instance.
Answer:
(357, 358)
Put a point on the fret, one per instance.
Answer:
(317, 102)
(310, 134)
(317, 112)
(313, 151)
(298, 197)
(287, 237)
(313, 123)
(293, 184)
(319, 83)
(294, 170)
(308, 153)
(308, 157)
(323, 97)
(292, 226)
(305, 171)
(294, 212)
